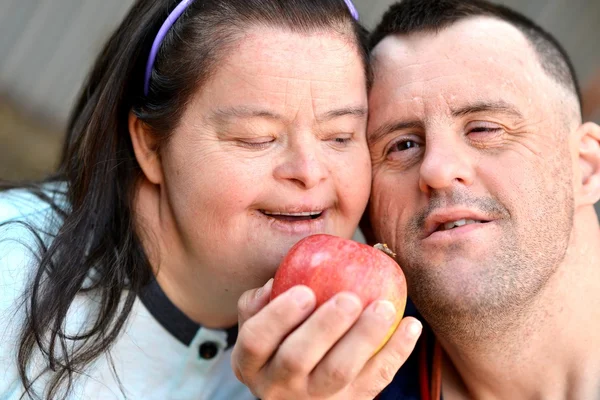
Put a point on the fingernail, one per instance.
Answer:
(348, 303)
(413, 330)
(303, 296)
(263, 289)
(385, 310)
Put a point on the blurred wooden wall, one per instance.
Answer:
(48, 46)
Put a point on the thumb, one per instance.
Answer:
(252, 301)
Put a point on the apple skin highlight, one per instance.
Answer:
(329, 265)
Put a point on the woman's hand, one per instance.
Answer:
(285, 351)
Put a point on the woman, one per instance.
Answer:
(210, 137)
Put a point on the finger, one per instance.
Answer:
(347, 359)
(261, 335)
(306, 346)
(381, 368)
(252, 301)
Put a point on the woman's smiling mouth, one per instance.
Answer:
(293, 216)
(297, 222)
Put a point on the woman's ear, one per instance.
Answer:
(589, 163)
(145, 148)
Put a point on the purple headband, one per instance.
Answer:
(175, 14)
(352, 9)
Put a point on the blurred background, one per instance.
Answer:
(48, 46)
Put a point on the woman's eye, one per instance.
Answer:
(402, 145)
(341, 141)
(262, 144)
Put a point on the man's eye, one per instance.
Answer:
(488, 129)
(485, 134)
(404, 145)
(483, 128)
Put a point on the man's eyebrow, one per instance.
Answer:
(495, 106)
(498, 106)
(356, 111)
(391, 127)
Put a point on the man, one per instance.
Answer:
(484, 181)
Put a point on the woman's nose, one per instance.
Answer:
(303, 164)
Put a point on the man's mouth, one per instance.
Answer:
(293, 216)
(457, 224)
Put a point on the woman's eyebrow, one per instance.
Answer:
(357, 111)
(243, 112)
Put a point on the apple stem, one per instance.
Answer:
(384, 247)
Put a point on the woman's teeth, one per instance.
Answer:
(300, 214)
(295, 216)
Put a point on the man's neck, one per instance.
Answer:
(551, 350)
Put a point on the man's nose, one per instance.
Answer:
(447, 162)
(303, 164)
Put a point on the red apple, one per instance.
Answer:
(330, 264)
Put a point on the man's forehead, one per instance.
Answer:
(473, 39)
(478, 59)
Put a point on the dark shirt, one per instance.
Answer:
(405, 385)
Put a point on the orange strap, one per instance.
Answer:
(436, 374)
(430, 390)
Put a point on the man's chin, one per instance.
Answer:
(458, 284)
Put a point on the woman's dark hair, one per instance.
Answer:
(96, 236)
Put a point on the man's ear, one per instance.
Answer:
(589, 163)
(145, 148)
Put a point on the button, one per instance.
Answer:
(208, 350)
